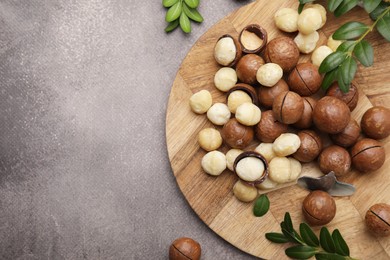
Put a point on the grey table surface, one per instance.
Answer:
(84, 170)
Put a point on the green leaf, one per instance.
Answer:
(348, 70)
(192, 3)
(261, 206)
(288, 222)
(370, 5)
(343, 87)
(326, 241)
(383, 26)
(329, 256)
(333, 4)
(308, 235)
(346, 46)
(169, 3)
(345, 6)
(300, 8)
(291, 236)
(350, 30)
(332, 61)
(193, 14)
(340, 244)
(364, 53)
(276, 237)
(329, 78)
(172, 26)
(301, 252)
(173, 12)
(379, 10)
(305, 1)
(185, 23)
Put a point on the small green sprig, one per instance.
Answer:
(341, 66)
(307, 244)
(180, 12)
(261, 206)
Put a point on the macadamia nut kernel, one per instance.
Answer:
(225, 51)
(286, 144)
(214, 163)
(267, 184)
(237, 98)
(320, 54)
(250, 169)
(231, 156)
(269, 74)
(333, 44)
(201, 101)
(266, 150)
(248, 114)
(209, 139)
(309, 21)
(219, 114)
(296, 169)
(225, 79)
(244, 192)
(280, 170)
(286, 19)
(307, 43)
(320, 8)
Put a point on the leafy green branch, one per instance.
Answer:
(341, 66)
(327, 246)
(180, 12)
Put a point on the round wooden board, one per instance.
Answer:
(212, 198)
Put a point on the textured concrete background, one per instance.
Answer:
(84, 171)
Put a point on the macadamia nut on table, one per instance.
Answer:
(219, 114)
(283, 169)
(309, 21)
(201, 101)
(269, 74)
(237, 98)
(250, 169)
(209, 139)
(320, 54)
(214, 163)
(225, 79)
(286, 144)
(227, 51)
(248, 114)
(231, 156)
(244, 192)
(307, 42)
(286, 19)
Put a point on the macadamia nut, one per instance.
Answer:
(237, 98)
(286, 19)
(244, 192)
(333, 44)
(201, 101)
(267, 184)
(307, 43)
(225, 79)
(286, 144)
(214, 163)
(296, 169)
(320, 8)
(320, 54)
(280, 170)
(269, 74)
(219, 114)
(225, 51)
(250, 169)
(266, 150)
(309, 21)
(209, 139)
(231, 156)
(248, 114)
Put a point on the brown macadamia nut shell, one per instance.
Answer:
(306, 120)
(288, 107)
(378, 219)
(268, 129)
(367, 155)
(237, 135)
(348, 136)
(258, 156)
(282, 51)
(184, 248)
(376, 122)
(335, 158)
(238, 50)
(350, 98)
(267, 95)
(251, 91)
(319, 208)
(310, 148)
(247, 67)
(305, 79)
(259, 31)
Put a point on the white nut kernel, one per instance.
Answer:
(267, 184)
(307, 43)
(244, 192)
(286, 19)
(201, 101)
(250, 169)
(320, 54)
(279, 170)
(309, 21)
(225, 79)
(266, 150)
(237, 98)
(218, 114)
(214, 163)
(225, 51)
(296, 169)
(286, 144)
(209, 139)
(269, 74)
(320, 8)
(231, 156)
(333, 44)
(248, 114)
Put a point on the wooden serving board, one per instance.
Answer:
(212, 198)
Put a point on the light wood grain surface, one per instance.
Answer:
(212, 198)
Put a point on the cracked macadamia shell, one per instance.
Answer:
(253, 38)
(319, 208)
(237, 135)
(335, 158)
(331, 115)
(306, 120)
(282, 51)
(305, 79)
(247, 68)
(348, 136)
(376, 122)
(185, 248)
(368, 155)
(269, 128)
(378, 219)
(288, 107)
(310, 148)
(350, 98)
(251, 167)
(267, 95)
(227, 51)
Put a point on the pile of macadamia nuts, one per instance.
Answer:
(275, 117)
